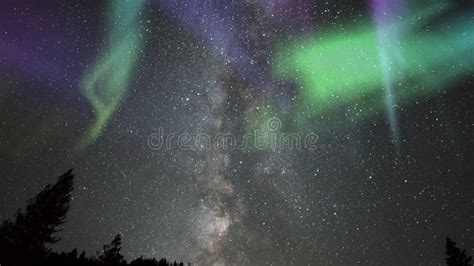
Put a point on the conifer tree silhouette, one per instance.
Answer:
(163, 262)
(27, 236)
(23, 241)
(111, 253)
(455, 256)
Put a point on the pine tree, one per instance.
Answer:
(111, 253)
(455, 256)
(144, 262)
(34, 228)
(163, 262)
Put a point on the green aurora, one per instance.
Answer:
(344, 70)
(105, 85)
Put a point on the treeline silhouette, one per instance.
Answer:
(456, 256)
(25, 240)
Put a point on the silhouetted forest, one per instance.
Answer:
(25, 240)
(455, 256)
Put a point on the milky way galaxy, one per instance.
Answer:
(245, 132)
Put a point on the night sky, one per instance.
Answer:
(378, 93)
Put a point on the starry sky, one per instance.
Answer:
(382, 88)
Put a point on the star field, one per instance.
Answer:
(383, 88)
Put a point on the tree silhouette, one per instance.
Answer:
(144, 262)
(34, 228)
(23, 242)
(111, 253)
(163, 262)
(455, 256)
